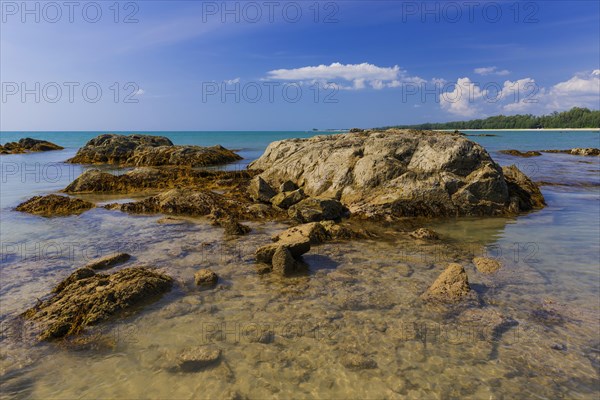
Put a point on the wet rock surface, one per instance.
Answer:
(396, 172)
(86, 298)
(53, 205)
(27, 145)
(146, 150)
(486, 265)
(315, 209)
(424, 234)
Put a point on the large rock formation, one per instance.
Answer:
(86, 298)
(28, 145)
(394, 173)
(54, 205)
(145, 150)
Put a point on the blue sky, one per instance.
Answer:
(193, 65)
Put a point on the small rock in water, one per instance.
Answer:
(452, 285)
(358, 362)
(205, 277)
(108, 261)
(283, 262)
(296, 248)
(486, 265)
(424, 233)
(198, 358)
(559, 347)
(234, 228)
(54, 205)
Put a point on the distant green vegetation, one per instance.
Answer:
(575, 118)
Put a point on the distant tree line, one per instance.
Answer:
(574, 118)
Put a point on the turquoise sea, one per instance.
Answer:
(552, 274)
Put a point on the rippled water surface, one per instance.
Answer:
(353, 327)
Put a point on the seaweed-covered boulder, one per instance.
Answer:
(183, 202)
(315, 209)
(145, 178)
(86, 298)
(108, 261)
(146, 150)
(28, 145)
(518, 153)
(54, 205)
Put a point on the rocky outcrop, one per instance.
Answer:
(518, 153)
(86, 298)
(205, 277)
(148, 178)
(108, 261)
(145, 150)
(54, 205)
(486, 265)
(396, 173)
(259, 190)
(27, 145)
(590, 151)
(451, 286)
(287, 199)
(524, 194)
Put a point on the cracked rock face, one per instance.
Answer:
(399, 172)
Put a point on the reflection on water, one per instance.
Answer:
(354, 327)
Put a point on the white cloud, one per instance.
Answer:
(491, 71)
(232, 81)
(348, 76)
(140, 92)
(470, 99)
(463, 100)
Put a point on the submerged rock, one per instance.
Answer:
(393, 173)
(108, 261)
(54, 205)
(452, 285)
(524, 194)
(198, 358)
(205, 277)
(28, 145)
(424, 233)
(486, 265)
(146, 150)
(358, 362)
(518, 153)
(86, 298)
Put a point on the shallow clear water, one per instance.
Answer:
(288, 338)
